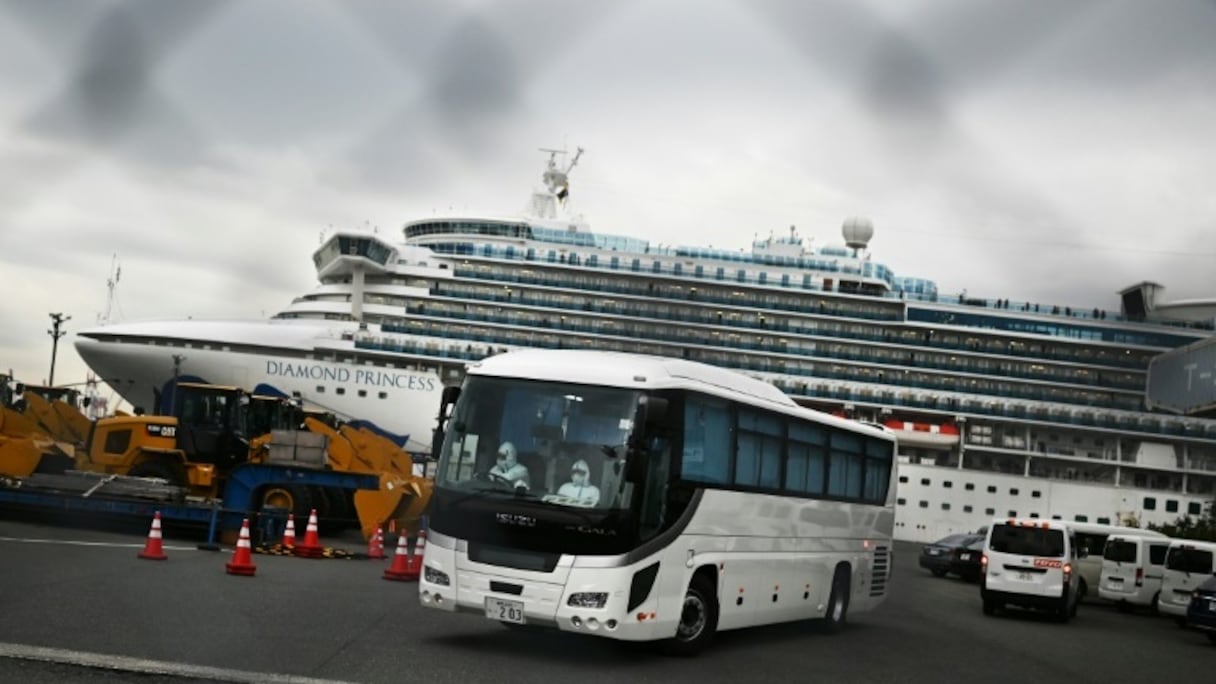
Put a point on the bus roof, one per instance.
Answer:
(642, 371)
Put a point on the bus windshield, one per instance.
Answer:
(557, 443)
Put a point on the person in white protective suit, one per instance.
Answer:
(579, 487)
(509, 469)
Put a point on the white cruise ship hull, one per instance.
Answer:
(136, 360)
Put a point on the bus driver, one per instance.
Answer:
(508, 469)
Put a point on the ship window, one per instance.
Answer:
(947, 484)
(903, 478)
(340, 390)
(1082, 518)
(1194, 508)
(970, 486)
(1171, 506)
(967, 508)
(901, 501)
(924, 504)
(945, 506)
(989, 511)
(1034, 515)
(924, 480)
(1150, 503)
(1036, 494)
(384, 395)
(362, 393)
(1013, 491)
(1056, 517)
(1104, 521)
(320, 389)
(992, 489)
(1013, 514)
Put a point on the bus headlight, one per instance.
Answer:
(436, 576)
(595, 599)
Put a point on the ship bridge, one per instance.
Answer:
(354, 255)
(346, 254)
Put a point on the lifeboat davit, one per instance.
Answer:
(941, 435)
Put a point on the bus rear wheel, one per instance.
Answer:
(698, 619)
(838, 602)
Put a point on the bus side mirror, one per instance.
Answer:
(650, 414)
(446, 401)
(635, 465)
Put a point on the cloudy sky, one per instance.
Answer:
(1043, 151)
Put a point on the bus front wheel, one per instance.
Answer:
(698, 619)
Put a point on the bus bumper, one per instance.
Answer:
(562, 599)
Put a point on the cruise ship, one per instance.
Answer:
(1002, 407)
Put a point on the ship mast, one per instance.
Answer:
(557, 185)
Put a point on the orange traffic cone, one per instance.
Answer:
(401, 570)
(289, 533)
(375, 546)
(419, 549)
(242, 556)
(153, 548)
(311, 546)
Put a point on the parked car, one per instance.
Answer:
(957, 554)
(1201, 612)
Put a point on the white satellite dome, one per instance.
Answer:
(857, 232)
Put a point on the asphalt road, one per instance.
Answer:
(78, 605)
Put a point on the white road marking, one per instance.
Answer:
(69, 542)
(143, 666)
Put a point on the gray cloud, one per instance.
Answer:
(1053, 152)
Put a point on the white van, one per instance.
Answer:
(1031, 564)
(1132, 567)
(1187, 564)
(1091, 540)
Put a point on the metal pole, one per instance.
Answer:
(177, 369)
(57, 320)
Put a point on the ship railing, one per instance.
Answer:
(745, 318)
(765, 364)
(497, 252)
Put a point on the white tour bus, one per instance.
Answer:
(645, 498)
(1132, 568)
(1091, 541)
(1187, 564)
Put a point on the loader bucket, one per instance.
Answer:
(14, 424)
(58, 419)
(340, 452)
(398, 500)
(19, 456)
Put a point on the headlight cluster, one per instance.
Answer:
(588, 599)
(437, 576)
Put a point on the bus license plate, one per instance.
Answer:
(1023, 576)
(504, 610)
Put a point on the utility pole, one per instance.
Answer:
(57, 320)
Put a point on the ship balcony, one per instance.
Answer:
(743, 315)
(786, 377)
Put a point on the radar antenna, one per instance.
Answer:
(558, 180)
(545, 203)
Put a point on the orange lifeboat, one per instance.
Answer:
(941, 435)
